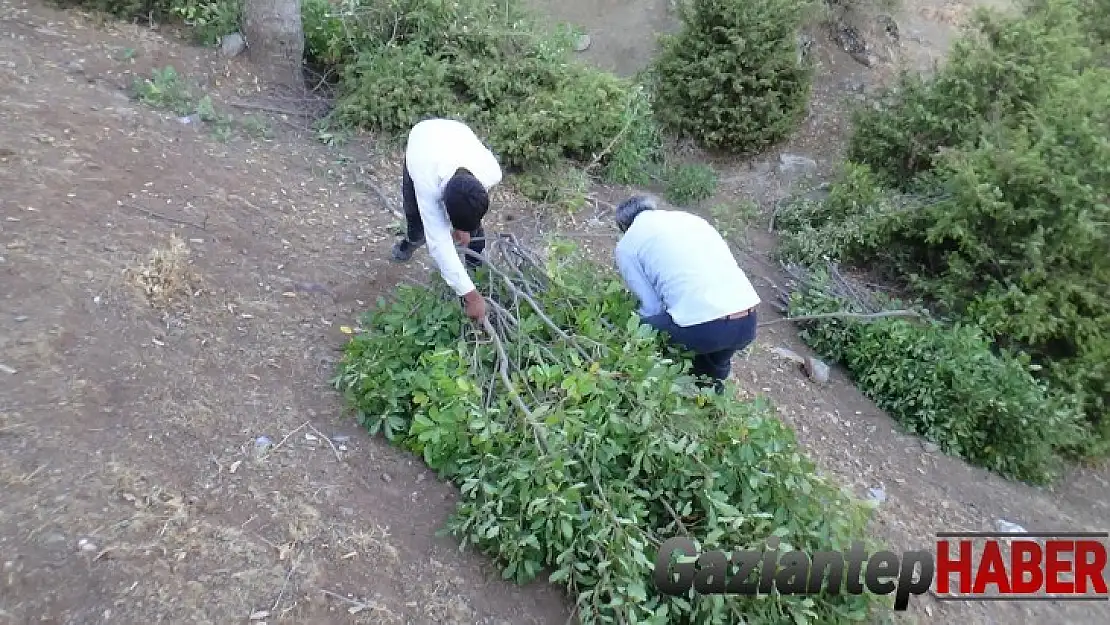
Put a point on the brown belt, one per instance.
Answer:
(737, 315)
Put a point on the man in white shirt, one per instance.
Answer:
(688, 284)
(448, 173)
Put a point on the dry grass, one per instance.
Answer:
(167, 275)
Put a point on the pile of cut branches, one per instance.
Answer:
(580, 444)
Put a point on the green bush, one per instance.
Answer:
(209, 20)
(945, 383)
(1002, 67)
(732, 78)
(489, 64)
(852, 223)
(581, 476)
(689, 183)
(1002, 170)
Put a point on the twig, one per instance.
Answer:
(11, 428)
(327, 440)
(287, 436)
(674, 514)
(514, 396)
(356, 606)
(382, 197)
(846, 315)
(531, 302)
(181, 222)
(268, 109)
(281, 593)
(609, 148)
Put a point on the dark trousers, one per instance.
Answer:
(713, 342)
(414, 225)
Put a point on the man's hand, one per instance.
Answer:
(475, 305)
(461, 237)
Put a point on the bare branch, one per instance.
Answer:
(847, 315)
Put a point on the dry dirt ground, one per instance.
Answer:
(134, 385)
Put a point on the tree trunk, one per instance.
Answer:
(275, 40)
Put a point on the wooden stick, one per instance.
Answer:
(846, 315)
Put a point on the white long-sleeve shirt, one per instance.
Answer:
(676, 262)
(436, 149)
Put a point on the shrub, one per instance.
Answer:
(486, 63)
(210, 20)
(1004, 227)
(689, 183)
(945, 383)
(732, 78)
(599, 454)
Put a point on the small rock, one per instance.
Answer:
(233, 45)
(930, 447)
(341, 438)
(793, 165)
(877, 494)
(259, 615)
(6, 369)
(262, 444)
(387, 478)
(1011, 528)
(582, 43)
(816, 370)
(86, 545)
(21, 318)
(783, 352)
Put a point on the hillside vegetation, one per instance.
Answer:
(982, 193)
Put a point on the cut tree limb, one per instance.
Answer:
(847, 315)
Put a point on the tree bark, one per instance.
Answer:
(275, 40)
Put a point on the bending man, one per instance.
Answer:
(448, 173)
(688, 284)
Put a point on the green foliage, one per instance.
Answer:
(1096, 17)
(945, 383)
(489, 64)
(846, 225)
(209, 20)
(167, 90)
(1001, 170)
(564, 186)
(689, 183)
(733, 78)
(626, 444)
(999, 70)
(733, 219)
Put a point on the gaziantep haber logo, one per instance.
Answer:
(967, 566)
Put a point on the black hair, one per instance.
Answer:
(466, 201)
(629, 209)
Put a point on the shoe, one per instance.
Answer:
(404, 249)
